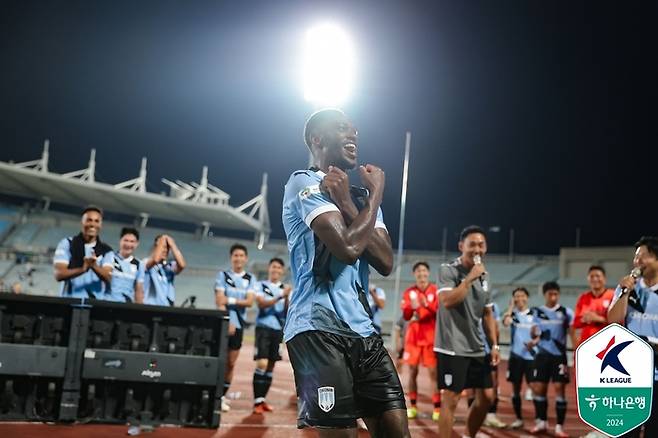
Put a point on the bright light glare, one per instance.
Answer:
(328, 65)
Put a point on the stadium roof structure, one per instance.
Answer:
(199, 203)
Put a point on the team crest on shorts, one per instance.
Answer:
(448, 379)
(326, 398)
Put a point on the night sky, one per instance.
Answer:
(534, 115)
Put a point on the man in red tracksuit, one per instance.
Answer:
(419, 305)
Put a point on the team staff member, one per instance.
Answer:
(552, 323)
(592, 306)
(127, 284)
(521, 321)
(464, 300)
(335, 233)
(82, 263)
(419, 305)
(234, 291)
(272, 299)
(160, 271)
(636, 304)
(376, 302)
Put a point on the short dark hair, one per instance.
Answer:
(596, 268)
(651, 242)
(471, 229)
(155, 240)
(89, 208)
(522, 289)
(550, 285)
(277, 260)
(420, 263)
(316, 120)
(129, 230)
(237, 246)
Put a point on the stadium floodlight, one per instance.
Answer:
(329, 66)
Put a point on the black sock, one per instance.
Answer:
(560, 410)
(470, 401)
(541, 407)
(268, 383)
(259, 385)
(227, 385)
(494, 406)
(516, 403)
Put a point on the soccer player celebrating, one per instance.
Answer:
(636, 304)
(419, 305)
(376, 302)
(335, 233)
(592, 306)
(82, 263)
(272, 298)
(234, 291)
(465, 299)
(127, 284)
(552, 323)
(521, 321)
(160, 271)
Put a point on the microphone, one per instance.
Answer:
(635, 273)
(477, 259)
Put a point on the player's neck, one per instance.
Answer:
(650, 278)
(521, 309)
(273, 281)
(598, 292)
(89, 239)
(237, 270)
(422, 286)
(124, 255)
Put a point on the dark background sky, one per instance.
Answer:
(535, 115)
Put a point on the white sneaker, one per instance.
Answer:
(225, 406)
(528, 394)
(540, 426)
(492, 421)
(559, 433)
(360, 424)
(517, 424)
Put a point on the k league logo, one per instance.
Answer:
(326, 398)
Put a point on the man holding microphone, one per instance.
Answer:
(636, 305)
(464, 299)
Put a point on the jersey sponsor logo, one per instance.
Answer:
(640, 315)
(326, 398)
(309, 191)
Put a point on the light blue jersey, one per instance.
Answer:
(126, 273)
(522, 322)
(87, 285)
(376, 314)
(236, 286)
(496, 315)
(274, 316)
(553, 324)
(642, 313)
(329, 296)
(159, 284)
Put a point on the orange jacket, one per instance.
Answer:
(420, 331)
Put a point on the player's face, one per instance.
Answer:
(275, 271)
(472, 245)
(422, 275)
(128, 244)
(552, 297)
(596, 279)
(645, 260)
(339, 143)
(92, 222)
(238, 260)
(520, 300)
